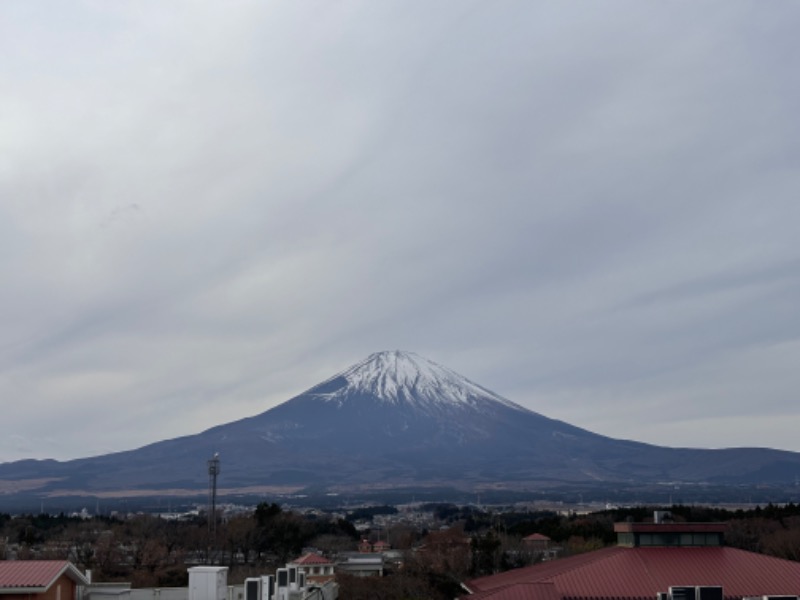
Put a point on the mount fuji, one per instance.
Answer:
(394, 421)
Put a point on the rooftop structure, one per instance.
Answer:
(649, 560)
(317, 569)
(40, 580)
(670, 534)
(362, 564)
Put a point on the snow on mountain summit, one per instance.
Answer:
(396, 377)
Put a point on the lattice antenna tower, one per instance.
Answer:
(213, 472)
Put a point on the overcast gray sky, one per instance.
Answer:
(590, 208)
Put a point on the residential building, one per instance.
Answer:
(317, 568)
(40, 580)
(361, 564)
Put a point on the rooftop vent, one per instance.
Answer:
(662, 516)
(709, 592)
(683, 592)
(693, 592)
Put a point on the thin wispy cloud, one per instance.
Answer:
(589, 209)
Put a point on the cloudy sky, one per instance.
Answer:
(591, 208)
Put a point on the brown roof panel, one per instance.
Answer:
(542, 571)
(639, 573)
(311, 559)
(522, 591)
(30, 573)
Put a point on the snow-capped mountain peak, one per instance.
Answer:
(397, 377)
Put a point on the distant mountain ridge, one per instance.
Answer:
(395, 420)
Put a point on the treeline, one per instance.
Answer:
(149, 551)
(463, 542)
(773, 529)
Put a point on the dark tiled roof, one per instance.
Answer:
(639, 573)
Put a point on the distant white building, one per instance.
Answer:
(316, 568)
(361, 564)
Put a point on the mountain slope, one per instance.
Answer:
(394, 420)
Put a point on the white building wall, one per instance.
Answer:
(232, 592)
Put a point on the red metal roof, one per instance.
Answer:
(39, 574)
(520, 591)
(311, 559)
(639, 573)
